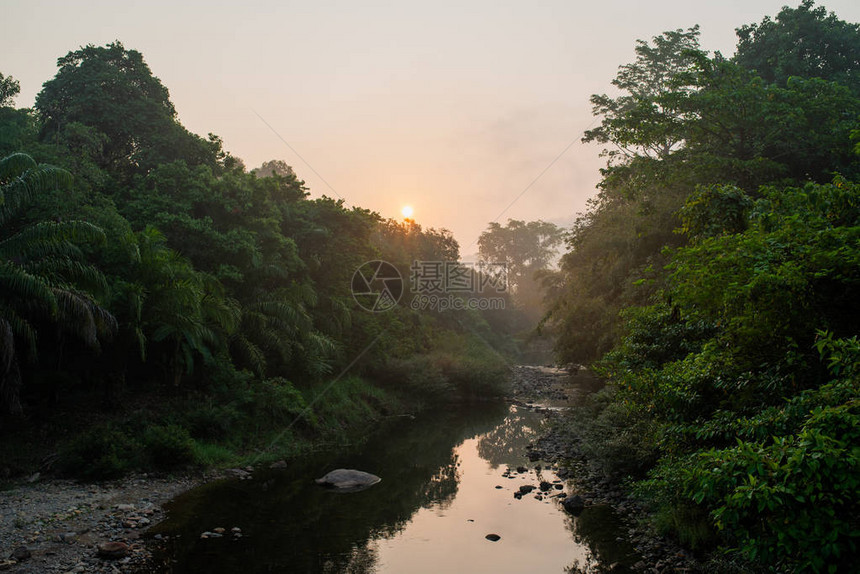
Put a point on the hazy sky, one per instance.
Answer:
(452, 107)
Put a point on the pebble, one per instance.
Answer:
(112, 549)
(21, 553)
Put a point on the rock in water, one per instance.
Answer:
(574, 504)
(348, 480)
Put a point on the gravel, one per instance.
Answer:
(61, 523)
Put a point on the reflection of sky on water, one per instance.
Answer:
(534, 534)
(436, 503)
(506, 444)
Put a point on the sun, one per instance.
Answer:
(407, 211)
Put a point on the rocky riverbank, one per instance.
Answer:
(57, 526)
(67, 527)
(550, 390)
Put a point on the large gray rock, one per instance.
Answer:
(348, 480)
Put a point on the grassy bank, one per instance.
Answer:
(238, 421)
(235, 425)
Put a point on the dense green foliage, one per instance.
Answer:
(716, 277)
(150, 272)
(701, 120)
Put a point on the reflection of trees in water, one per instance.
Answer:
(506, 444)
(360, 560)
(596, 529)
(443, 485)
(291, 524)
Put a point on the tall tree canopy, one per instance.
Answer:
(528, 250)
(695, 120)
(9, 88)
(644, 120)
(805, 41)
(721, 275)
(112, 90)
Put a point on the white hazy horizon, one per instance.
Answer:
(453, 108)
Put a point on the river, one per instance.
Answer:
(448, 480)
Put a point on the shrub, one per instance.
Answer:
(211, 421)
(102, 452)
(418, 377)
(168, 447)
(616, 437)
(208, 454)
(276, 403)
(458, 366)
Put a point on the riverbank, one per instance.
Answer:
(544, 388)
(53, 524)
(60, 525)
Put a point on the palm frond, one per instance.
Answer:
(19, 251)
(248, 353)
(67, 273)
(140, 338)
(82, 317)
(49, 235)
(7, 346)
(18, 188)
(75, 316)
(14, 165)
(21, 330)
(17, 284)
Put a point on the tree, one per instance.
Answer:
(113, 90)
(644, 121)
(406, 241)
(43, 278)
(182, 310)
(698, 121)
(274, 167)
(742, 130)
(526, 249)
(9, 88)
(805, 41)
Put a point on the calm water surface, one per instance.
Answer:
(436, 503)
